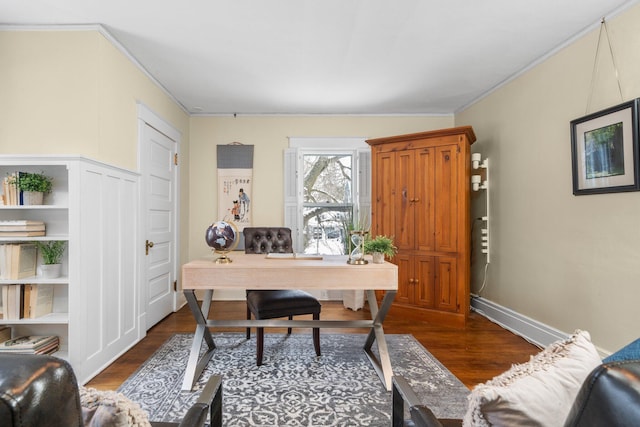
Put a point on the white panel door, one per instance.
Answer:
(159, 176)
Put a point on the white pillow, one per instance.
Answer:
(110, 409)
(536, 393)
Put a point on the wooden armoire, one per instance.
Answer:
(421, 187)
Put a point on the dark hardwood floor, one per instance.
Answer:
(474, 354)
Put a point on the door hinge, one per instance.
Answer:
(175, 286)
(175, 159)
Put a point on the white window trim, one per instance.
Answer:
(361, 179)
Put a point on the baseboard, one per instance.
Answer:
(530, 329)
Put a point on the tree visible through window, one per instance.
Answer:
(328, 202)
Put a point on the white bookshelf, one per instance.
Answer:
(94, 308)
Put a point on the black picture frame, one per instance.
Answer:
(604, 150)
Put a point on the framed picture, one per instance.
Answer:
(604, 150)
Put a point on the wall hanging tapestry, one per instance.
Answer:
(235, 183)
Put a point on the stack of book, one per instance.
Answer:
(21, 228)
(26, 301)
(5, 333)
(10, 192)
(31, 344)
(18, 260)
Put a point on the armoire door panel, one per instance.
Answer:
(424, 203)
(405, 279)
(383, 215)
(423, 267)
(405, 175)
(446, 198)
(446, 283)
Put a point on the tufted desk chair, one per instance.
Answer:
(276, 303)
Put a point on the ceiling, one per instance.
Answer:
(327, 56)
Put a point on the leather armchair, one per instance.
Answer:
(41, 390)
(276, 303)
(610, 396)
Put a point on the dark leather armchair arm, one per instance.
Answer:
(421, 416)
(210, 401)
(38, 390)
(609, 396)
(196, 416)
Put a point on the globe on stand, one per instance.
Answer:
(222, 237)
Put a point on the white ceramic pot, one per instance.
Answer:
(32, 197)
(51, 271)
(378, 257)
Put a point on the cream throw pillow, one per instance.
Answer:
(110, 409)
(536, 393)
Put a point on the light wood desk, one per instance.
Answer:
(258, 272)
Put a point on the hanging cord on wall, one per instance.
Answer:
(603, 27)
(486, 265)
(484, 282)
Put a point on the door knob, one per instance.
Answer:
(147, 245)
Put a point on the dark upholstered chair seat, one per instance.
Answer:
(282, 303)
(272, 304)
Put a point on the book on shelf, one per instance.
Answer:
(18, 260)
(25, 233)
(12, 302)
(5, 333)
(19, 223)
(10, 189)
(22, 228)
(12, 195)
(5, 260)
(31, 344)
(38, 300)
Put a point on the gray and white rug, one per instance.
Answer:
(293, 387)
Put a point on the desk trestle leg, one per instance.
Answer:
(195, 366)
(383, 364)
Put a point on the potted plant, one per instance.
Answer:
(379, 247)
(33, 186)
(51, 252)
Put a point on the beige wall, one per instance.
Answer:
(269, 135)
(73, 92)
(567, 261)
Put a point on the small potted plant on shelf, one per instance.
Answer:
(51, 252)
(379, 247)
(33, 186)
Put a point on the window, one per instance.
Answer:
(327, 189)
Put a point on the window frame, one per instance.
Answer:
(360, 177)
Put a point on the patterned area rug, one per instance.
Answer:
(293, 387)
